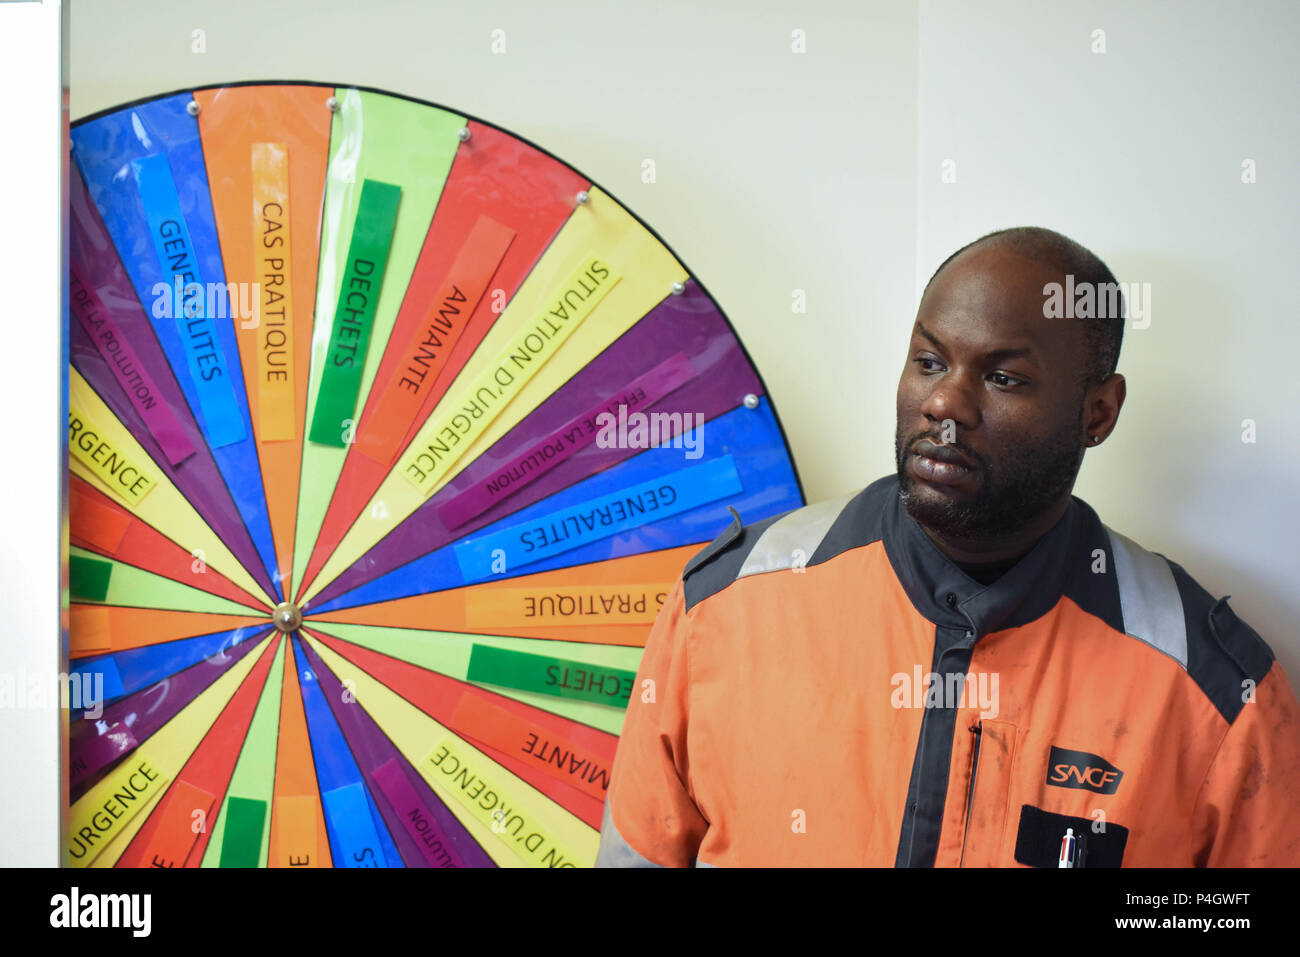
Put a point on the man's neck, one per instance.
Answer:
(1013, 544)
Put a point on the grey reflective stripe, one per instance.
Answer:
(614, 851)
(1149, 598)
(799, 532)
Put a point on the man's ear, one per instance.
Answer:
(1102, 405)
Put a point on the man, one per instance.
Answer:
(961, 665)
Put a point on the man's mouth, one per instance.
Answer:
(940, 464)
(942, 453)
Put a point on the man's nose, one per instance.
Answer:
(953, 397)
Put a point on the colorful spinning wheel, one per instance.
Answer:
(389, 433)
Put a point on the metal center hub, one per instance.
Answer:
(287, 616)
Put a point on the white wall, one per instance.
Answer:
(1137, 153)
(32, 374)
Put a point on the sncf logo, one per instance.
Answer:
(1079, 769)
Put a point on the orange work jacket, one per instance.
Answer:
(826, 687)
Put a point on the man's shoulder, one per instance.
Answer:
(1164, 606)
(799, 537)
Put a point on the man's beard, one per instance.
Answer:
(1024, 486)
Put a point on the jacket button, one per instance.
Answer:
(951, 599)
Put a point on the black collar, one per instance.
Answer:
(947, 596)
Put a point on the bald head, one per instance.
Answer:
(1063, 256)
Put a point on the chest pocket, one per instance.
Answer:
(1038, 840)
(988, 793)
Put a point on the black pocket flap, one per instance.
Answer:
(1038, 840)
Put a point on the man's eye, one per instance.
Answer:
(923, 360)
(1009, 380)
